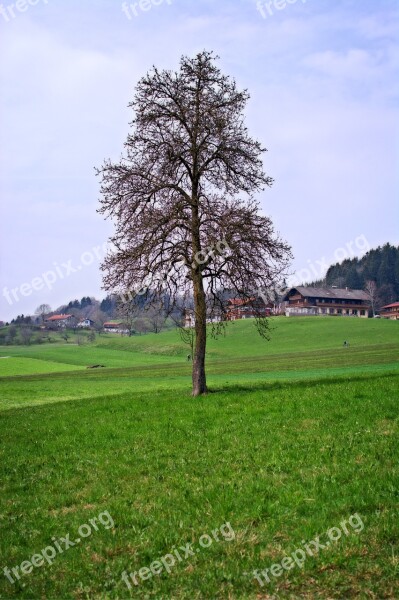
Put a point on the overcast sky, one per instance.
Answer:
(322, 75)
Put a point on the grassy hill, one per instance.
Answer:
(298, 435)
(298, 349)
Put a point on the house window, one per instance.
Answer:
(339, 311)
(362, 312)
(354, 311)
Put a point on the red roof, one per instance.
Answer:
(394, 305)
(240, 302)
(59, 317)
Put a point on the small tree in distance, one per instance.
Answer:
(42, 311)
(26, 335)
(183, 192)
(187, 334)
(156, 316)
(372, 291)
(128, 310)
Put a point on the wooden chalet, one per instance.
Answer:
(308, 301)
(247, 308)
(390, 311)
(115, 327)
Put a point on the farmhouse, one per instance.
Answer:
(237, 308)
(60, 321)
(115, 327)
(247, 308)
(189, 318)
(306, 301)
(390, 311)
(85, 324)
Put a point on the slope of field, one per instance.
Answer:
(23, 365)
(83, 355)
(298, 349)
(287, 335)
(297, 435)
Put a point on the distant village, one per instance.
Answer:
(300, 301)
(357, 288)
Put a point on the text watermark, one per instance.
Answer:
(168, 561)
(20, 6)
(311, 548)
(135, 8)
(49, 553)
(268, 8)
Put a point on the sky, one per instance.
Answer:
(322, 75)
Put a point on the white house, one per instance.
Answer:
(85, 324)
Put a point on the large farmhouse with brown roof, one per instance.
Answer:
(305, 301)
(390, 311)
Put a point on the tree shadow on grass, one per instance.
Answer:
(305, 383)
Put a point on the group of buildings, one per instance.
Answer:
(298, 301)
(303, 301)
(69, 321)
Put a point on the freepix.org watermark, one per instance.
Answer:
(135, 8)
(317, 269)
(312, 548)
(269, 8)
(20, 6)
(177, 555)
(59, 271)
(49, 553)
(221, 248)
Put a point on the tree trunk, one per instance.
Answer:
(199, 378)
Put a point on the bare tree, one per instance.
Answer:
(128, 310)
(372, 291)
(156, 316)
(182, 198)
(42, 311)
(187, 334)
(26, 335)
(12, 332)
(140, 325)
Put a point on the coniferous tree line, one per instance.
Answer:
(379, 265)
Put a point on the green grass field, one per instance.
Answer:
(296, 436)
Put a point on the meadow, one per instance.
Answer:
(297, 435)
